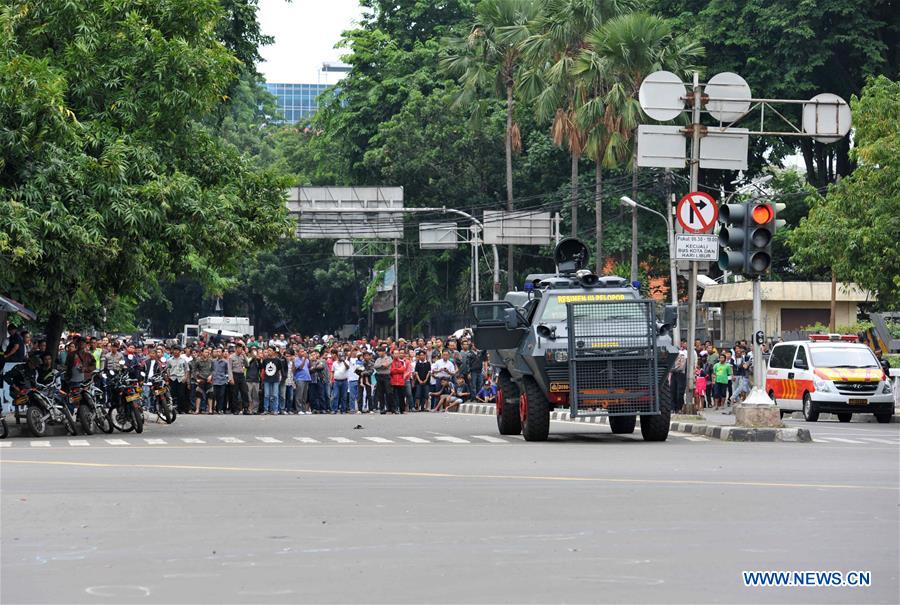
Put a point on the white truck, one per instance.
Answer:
(231, 327)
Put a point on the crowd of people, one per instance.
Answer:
(290, 375)
(722, 377)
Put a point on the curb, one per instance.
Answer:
(712, 431)
(740, 433)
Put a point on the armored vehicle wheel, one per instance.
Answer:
(508, 421)
(656, 427)
(622, 425)
(534, 408)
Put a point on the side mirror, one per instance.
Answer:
(670, 315)
(511, 318)
(801, 365)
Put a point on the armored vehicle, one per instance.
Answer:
(575, 340)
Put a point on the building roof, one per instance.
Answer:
(799, 291)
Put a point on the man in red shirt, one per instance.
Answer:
(398, 380)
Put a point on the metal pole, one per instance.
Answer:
(396, 291)
(757, 326)
(673, 269)
(475, 250)
(692, 283)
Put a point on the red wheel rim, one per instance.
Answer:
(523, 407)
(499, 401)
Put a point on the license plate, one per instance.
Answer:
(134, 397)
(858, 401)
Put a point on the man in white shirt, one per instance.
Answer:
(353, 379)
(443, 368)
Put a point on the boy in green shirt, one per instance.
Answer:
(722, 372)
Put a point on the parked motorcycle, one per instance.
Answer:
(125, 412)
(161, 397)
(44, 407)
(98, 395)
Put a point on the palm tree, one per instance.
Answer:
(550, 81)
(618, 56)
(489, 58)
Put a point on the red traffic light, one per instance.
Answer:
(762, 214)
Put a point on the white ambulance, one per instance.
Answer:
(829, 373)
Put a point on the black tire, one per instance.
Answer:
(137, 418)
(810, 411)
(86, 419)
(69, 420)
(622, 425)
(4, 429)
(120, 419)
(508, 420)
(655, 427)
(164, 409)
(884, 418)
(102, 421)
(845, 416)
(34, 418)
(536, 424)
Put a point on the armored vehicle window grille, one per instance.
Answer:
(613, 366)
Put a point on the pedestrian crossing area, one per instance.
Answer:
(260, 440)
(855, 440)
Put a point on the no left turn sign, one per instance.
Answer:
(697, 212)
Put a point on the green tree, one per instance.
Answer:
(109, 183)
(853, 229)
(489, 58)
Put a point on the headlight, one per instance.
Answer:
(823, 386)
(561, 356)
(886, 389)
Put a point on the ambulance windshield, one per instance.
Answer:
(843, 357)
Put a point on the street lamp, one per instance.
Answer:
(673, 277)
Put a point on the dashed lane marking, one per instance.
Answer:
(155, 441)
(450, 439)
(306, 440)
(378, 439)
(414, 439)
(696, 438)
(40, 444)
(231, 440)
(490, 439)
(5, 444)
(192, 440)
(117, 442)
(79, 442)
(888, 441)
(840, 440)
(341, 440)
(269, 440)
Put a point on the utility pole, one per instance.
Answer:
(692, 283)
(396, 291)
(673, 269)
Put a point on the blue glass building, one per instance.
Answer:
(296, 102)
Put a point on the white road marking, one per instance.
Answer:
(117, 442)
(5, 444)
(40, 444)
(155, 441)
(843, 440)
(450, 439)
(490, 439)
(888, 441)
(269, 440)
(378, 439)
(414, 439)
(696, 438)
(306, 440)
(192, 440)
(231, 440)
(341, 440)
(79, 442)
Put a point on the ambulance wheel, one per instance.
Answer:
(534, 408)
(622, 425)
(810, 412)
(845, 416)
(508, 421)
(883, 418)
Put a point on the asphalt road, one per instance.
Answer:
(424, 508)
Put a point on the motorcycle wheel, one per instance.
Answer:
(137, 417)
(34, 418)
(86, 419)
(171, 407)
(69, 420)
(164, 409)
(102, 421)
(120, 419)
(4, 430)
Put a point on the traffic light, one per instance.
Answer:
(745, 238)
(733, 237)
